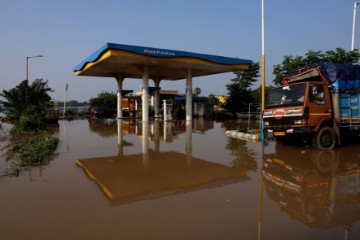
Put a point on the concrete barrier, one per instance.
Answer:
(245, 136)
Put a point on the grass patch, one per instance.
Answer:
(29, 149)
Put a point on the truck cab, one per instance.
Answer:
(302, 109)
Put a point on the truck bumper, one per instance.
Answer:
(288, 131)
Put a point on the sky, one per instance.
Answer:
(68, 31)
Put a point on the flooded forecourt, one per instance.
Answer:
(126, 179)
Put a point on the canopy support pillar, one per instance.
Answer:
(119, 80)
(189, 112)
(145, 95)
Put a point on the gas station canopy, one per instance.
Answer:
(124, 61)
(113, 60)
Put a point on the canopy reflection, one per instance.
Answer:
(128, 179)
(152, 173)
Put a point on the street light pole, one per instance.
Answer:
(353, 26)
(27, 65)
(262, 57)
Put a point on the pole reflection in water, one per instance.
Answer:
(153, 173)
(120, 137)
(260, 193)
(145, 145)
(188, 143)
(318, 188)
(157, 136)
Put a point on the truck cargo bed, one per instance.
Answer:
(349, 108)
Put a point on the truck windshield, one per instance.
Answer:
(292, 95)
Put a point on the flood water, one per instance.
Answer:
(130, 180)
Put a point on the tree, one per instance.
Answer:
(105, 100)
(290, 62)
(197, 92)
(73, 103)
(28, 144)
(25, 100)
(212, 99)
(239, 89)
(257, 93)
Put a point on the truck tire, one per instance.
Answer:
(325, 139)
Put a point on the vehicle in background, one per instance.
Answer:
(96, 111)
(131, 105)
(318, 103)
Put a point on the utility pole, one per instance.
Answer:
(66, 90)
(27, 65)
(353, 26)
(262, 57)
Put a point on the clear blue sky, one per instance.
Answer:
(66, 32)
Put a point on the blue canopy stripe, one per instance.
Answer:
(159, 53)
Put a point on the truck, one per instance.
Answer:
(317, 103)
(130, 105)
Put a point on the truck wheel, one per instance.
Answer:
(325, 139)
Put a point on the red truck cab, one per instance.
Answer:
(302, 108)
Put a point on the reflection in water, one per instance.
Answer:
(131, 178)
(185, 189)
(169, 130)
(104, 127)
(245, 158)
(318, 188)
(152, 173)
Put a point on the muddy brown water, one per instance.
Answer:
(129, 180)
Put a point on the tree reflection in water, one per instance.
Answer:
(105, 128)
(245, 158)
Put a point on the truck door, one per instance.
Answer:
(319, 104)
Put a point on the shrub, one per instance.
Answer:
(28, 123)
